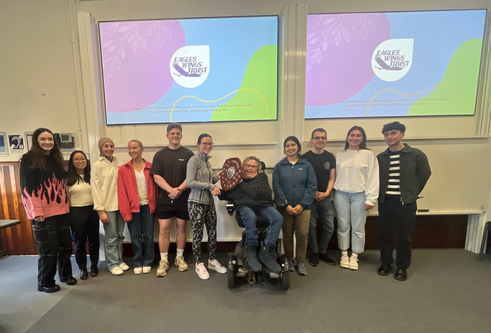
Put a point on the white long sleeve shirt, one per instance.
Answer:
(357, 171)
(104, 182)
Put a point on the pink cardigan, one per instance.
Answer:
(128, 199)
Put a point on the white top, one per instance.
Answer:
(80, 194)
(141, 184)
(104, 182)
(357, 171)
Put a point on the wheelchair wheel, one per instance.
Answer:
(285, 281)
(232, 269)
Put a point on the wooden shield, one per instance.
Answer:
(232, 173)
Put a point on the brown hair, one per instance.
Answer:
(36, 153)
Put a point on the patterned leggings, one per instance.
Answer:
(200, 215)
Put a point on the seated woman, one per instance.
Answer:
(253, 196)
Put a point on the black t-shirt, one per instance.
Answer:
(322, 163)
(171, 164)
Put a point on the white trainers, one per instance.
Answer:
(116, 270)
(146, 269)
(353, 263)
(202, 272)
(344, 262)
(138, 270)
(124, 266)
(163, 267)
(179, 262)
(214, 265)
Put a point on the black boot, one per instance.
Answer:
(251, 257)
(266, 255)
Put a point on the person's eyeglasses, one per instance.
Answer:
(79, 159)
(210, 144)
(320, 138)
(250, 166)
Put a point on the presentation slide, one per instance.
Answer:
(190, 70)
(393, 64)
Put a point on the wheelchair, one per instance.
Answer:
(238, 267)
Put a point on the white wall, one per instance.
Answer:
(41, 85)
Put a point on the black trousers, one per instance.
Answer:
(54, 245)
(398, 218)
(84, 222)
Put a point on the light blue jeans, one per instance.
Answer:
(350, 209)
(113, 239)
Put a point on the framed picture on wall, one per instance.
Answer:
(28, 136)
(3, 144)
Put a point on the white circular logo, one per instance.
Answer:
(392, 59)
(190, 65)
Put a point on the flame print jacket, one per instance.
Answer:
(43, 190)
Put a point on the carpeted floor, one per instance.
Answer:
(447, 291)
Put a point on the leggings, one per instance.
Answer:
(200, 215)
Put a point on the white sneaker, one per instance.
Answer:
(138, 270)
(116, 270)
(146, 269)
(214, 265)
(163, 267)
(124, 266)
(202, 272)
(344, 262)
(353, 263)
(179, 262)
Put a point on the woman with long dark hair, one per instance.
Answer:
(42, 173)
(357, 184)
(137, 204)
(294, 185)
(84, 220)
(201, 179)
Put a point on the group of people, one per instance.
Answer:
(180, 185)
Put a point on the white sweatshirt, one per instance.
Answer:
(80, 194)
(103, 182)
(357, 171)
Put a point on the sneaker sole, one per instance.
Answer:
(330, 263)
(353, 268)
(344, 266)
(213, 269)
(182, 270)
(313, 264)
(202, 277)
(161, 274)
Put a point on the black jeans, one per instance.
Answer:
(398, 218)
(54, 245)
(85, 225)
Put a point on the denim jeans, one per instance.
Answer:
(325, 211)
(141, 231)
(113, 239)
(350, 209)
(249, 218)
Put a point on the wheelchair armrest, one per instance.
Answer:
(230, 208)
